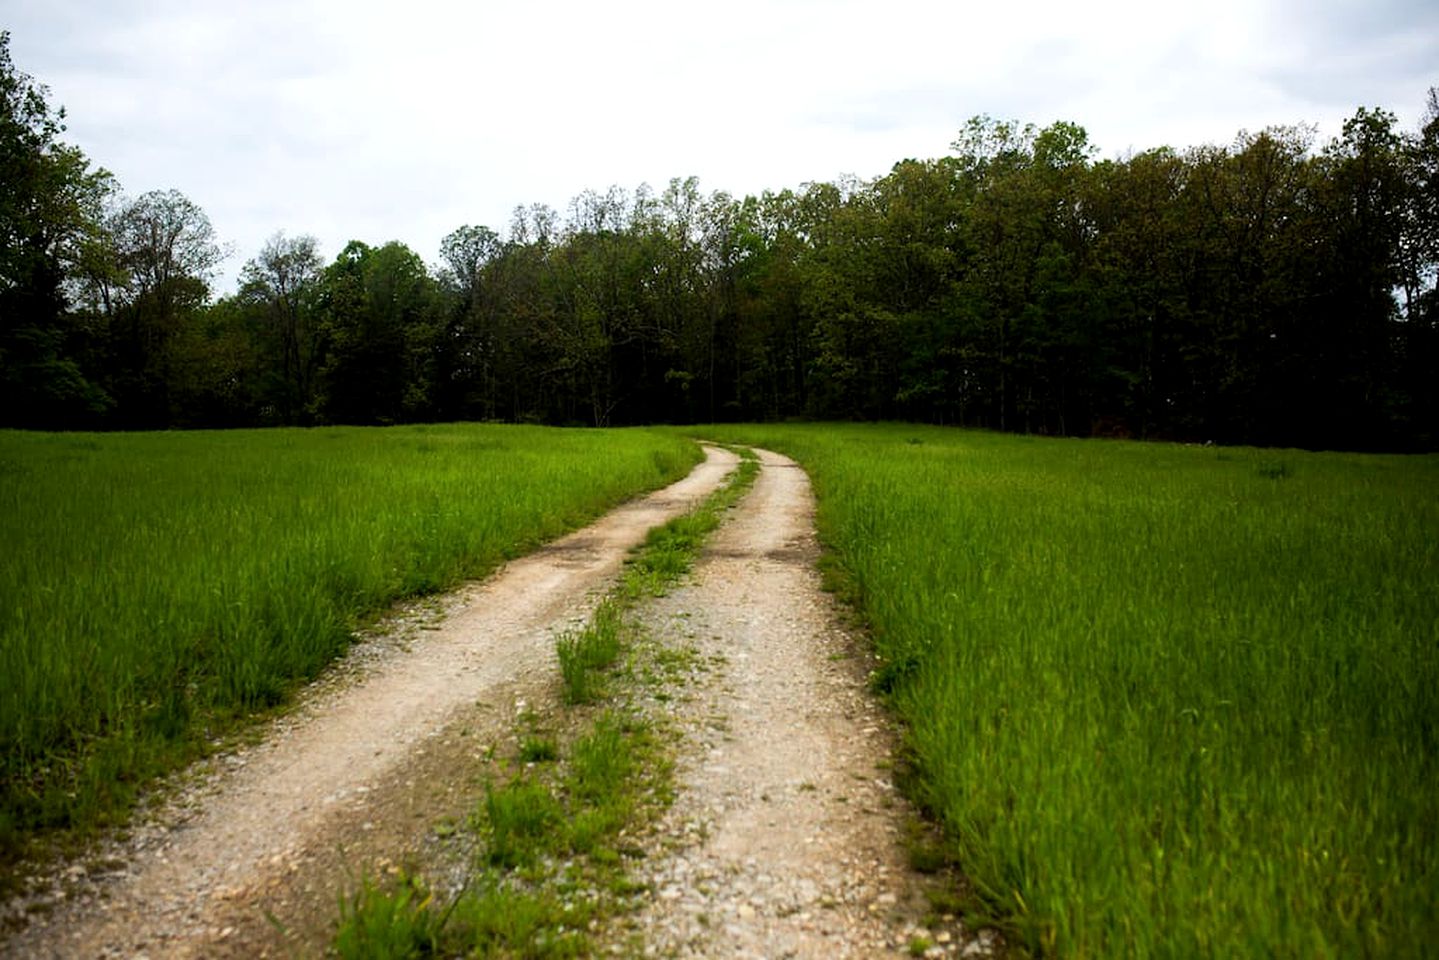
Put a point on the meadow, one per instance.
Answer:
(155, 588)
(1165, 700)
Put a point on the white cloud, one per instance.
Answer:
(381, 121)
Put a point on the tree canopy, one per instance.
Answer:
(1266, 291)
(51, 206)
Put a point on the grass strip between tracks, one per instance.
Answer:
(547, 839)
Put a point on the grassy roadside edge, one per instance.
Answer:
(1303, 894)
(97, 788)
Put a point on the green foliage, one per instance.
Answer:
(501, 921)
(379, 310)
(510, 906)
(670, 550)
(588, 650)
(279, 290)
(157, 584)
(601, 760)
(594, 796)
(164, 252)
(1165, 700)
(403, 922)
(50, 219)
(394, 924)
(519, 817)
(1267, 291)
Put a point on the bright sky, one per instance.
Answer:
(402, 120)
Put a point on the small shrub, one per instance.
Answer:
(520, 817)
(502, 921)
(601, 761)
(584, 652)
(377, 924)
(574, 672)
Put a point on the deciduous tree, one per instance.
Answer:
(50, 214)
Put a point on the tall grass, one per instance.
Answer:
(585, 651)
(153, 585)
(1166, 700)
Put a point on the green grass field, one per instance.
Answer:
(155, 586)
(1165, 700)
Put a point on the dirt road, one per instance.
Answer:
(353, 768)
(784, 840)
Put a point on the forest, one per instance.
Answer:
(1272, 291)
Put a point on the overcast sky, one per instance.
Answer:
(403, 120)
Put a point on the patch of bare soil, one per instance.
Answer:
(245, 859)
(786, 837)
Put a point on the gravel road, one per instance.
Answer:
(343, 778)
(785, 838)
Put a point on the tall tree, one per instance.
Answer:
(1141, 376)
(166, 250)
(1419, 341)
(380, 308)
(474, 346)
(1352, 268)
(281, 282)
(51, 206)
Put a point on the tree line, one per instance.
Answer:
(1268, 291)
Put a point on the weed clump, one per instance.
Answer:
(584, 653)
